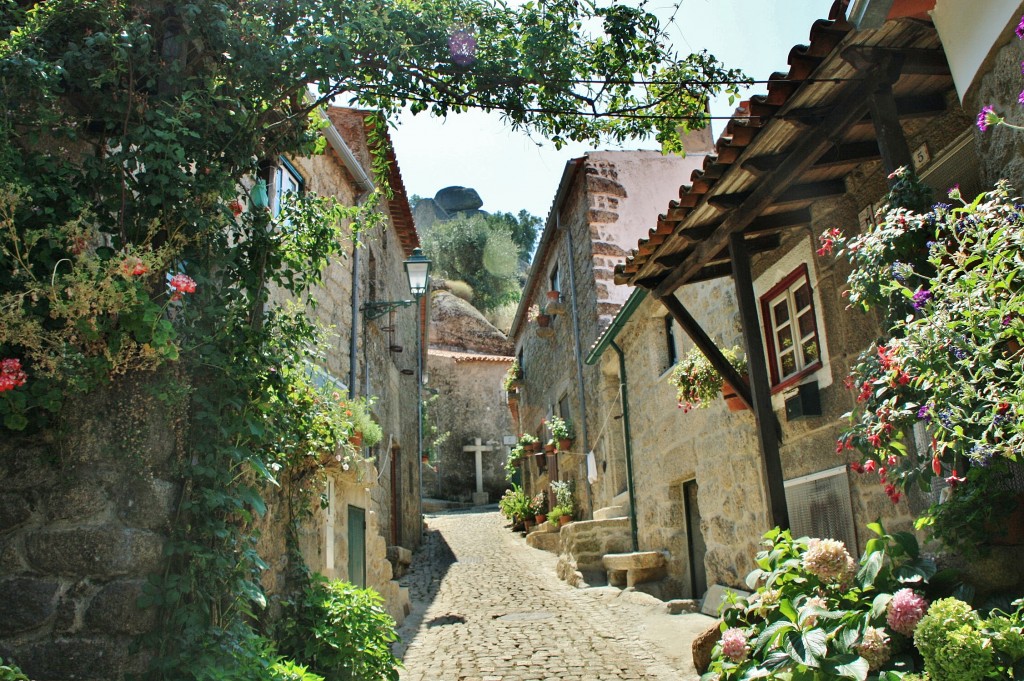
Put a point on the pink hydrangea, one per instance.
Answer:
(827, 559)
(905, 610)
(874, 648)
(11, 375)
(814, 602)
(734, 644)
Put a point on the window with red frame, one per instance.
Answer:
(791, 328)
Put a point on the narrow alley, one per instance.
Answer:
(487, 607)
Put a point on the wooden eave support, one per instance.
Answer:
(799, 192)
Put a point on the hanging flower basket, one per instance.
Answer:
(543, 320)
(356, 439)
(732, 399)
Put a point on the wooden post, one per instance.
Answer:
(768, 431)
(892, 143)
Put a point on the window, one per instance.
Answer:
(791, 328)
(671, 353)
(556, 284)
(819, 506)
(563, 408)
(286, 181)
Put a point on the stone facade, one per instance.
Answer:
(467, 362)
(717, 451)
(606, 201)
(83, 522)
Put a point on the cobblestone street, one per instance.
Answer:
(486, 607)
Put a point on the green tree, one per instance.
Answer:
(130, 131)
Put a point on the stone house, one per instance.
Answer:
(732, 262)
(604, 202)
(84, 516)
(373, 509)
(466, 362)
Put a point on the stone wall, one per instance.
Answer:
(470, 404)
(84, 516)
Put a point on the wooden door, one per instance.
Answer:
(695, 541)
(357, 546)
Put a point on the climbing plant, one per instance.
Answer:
(135, 235)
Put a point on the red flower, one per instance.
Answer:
(904, 378)
(875, 440)
(133, 267)
(856, 467)
(870, 466)
(953, 481)
(865, 392)
(11, 375)
(236, 207)
(182, 283)
(936, 465)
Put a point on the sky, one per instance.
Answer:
(512, 172)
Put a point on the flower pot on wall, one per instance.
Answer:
(356, 439)
(732, 399)
(549, 449)
(543, 320)
(564, 520)
(540, 518)
(565, 444)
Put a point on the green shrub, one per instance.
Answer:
(950, 641)
(8, 672)
(557, 512)
(286, 670)
(817, 613)
(341, 632)
(515, 505)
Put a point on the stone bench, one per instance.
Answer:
(630, 569)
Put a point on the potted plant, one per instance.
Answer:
(564, 502)
(697, 382)
(529, 443)
(562, 431)
(540, 315)
(539, 505)
(365, 431)
(550, 447)
(515, 505)
(513, 378)
(515, 455)
(555, 306)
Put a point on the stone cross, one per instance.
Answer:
(478, 448)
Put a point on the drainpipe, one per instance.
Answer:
(578, 354)
(624, 395)
(366, 186)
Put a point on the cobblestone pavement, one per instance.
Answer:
(487, 607)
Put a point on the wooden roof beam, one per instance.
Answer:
(916, 61)
(800, 192)
(853, 153)
(918, 106)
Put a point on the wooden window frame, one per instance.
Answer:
(671, 347)
(780, 382)
(284, 167)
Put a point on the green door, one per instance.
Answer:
(357, 546)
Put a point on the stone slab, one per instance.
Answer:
(633, 561)
(715, 598)
(545, 541)
(480, 498)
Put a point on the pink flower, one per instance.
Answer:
(182, 283)
(870, 466)
(734, 644)
(236, 208)
(953, 481)
(11, 375)
(874, 648)
(1020, 29)
(905, 610)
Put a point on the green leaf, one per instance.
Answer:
(787, 609)
(867, 573)
(879, 605)
(908, 543)
(877, 528)
(15, 421)
(848, 666)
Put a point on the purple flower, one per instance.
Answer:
(1020, 29)
(958, 352)
(1020, 97)
(921, 298)
(953, 192)
(986, 117)
(462, 46)
(923, 412)
(905, 610)
(981, 455)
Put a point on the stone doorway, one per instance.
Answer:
(695, 540)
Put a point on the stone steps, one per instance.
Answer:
(630, 569)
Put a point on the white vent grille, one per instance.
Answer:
(957, 164)
(819, 506)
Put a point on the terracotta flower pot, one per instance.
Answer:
(532, 447)
(543, 320)
(356, 439)
(565, 444)
(732, 400)
(540, 518)
(554, 296)
(564, 520)
(549, 449)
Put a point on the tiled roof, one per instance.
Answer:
(469, 356)
(825, 75)
(398, 204)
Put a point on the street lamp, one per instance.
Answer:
(417, 269)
